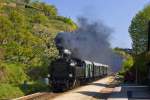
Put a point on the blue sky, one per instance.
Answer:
(116, 14)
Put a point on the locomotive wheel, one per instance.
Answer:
(76, 83)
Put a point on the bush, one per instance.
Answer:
(9, 91)
(142, 63)
(127, 64)
(33, 87)
(12, 73)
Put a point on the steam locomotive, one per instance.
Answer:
(67, 73)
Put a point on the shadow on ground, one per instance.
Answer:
(95, 94)
(99, 95)
(123, 93)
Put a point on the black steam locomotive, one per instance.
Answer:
(68, 73)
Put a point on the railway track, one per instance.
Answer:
(39, 96)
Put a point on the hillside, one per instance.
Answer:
(27, 46)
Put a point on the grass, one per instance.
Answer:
(12, 77)
(12, 73)
(9, 91)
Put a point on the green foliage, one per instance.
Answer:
(27, 1)
(40, 18)
(33, 87)
(9, 91)
(139, 29)
(27, 42)
(65, 20)
(139, 33)
(2, 53)
(28, 37)
(5, 26)
(49, 10)
(12, 73)
(142, 62)
(127, 62)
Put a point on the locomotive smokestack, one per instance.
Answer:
(63, 52)
(148, 47)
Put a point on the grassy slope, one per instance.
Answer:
(13, 74)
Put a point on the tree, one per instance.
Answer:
(27, 1)
(49, 10)
(139, 29)
(23, 1)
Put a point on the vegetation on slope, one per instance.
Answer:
(127, 62)
(27, 46)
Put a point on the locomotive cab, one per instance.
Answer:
(61, 74)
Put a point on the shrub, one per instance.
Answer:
(9, 91)
(12, 73)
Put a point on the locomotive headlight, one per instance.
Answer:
(72, 64)
(70, 75)
(66, 51)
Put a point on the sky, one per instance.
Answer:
(117, 14)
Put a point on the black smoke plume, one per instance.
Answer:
(90, 42)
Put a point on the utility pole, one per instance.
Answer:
(148, 39)
(136, 80)
(148, 49)
(136, 68)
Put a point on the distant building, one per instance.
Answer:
(13, 5)
(127, 50)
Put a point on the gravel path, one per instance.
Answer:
(91, 91)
